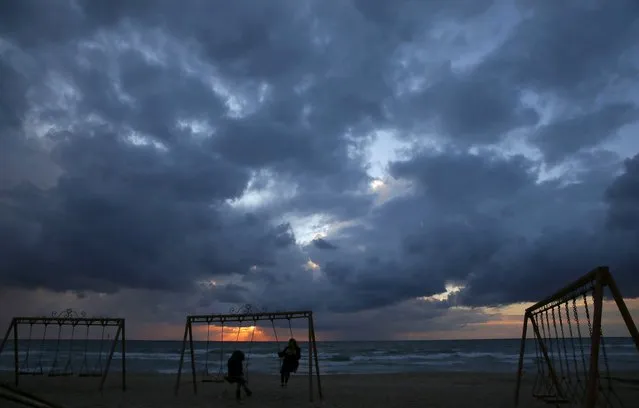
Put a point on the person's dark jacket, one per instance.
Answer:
(290, 360)
(235, 364)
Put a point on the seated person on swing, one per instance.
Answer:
(290, 360)
(236, 373)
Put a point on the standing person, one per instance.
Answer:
(236, 374)
(290, 360)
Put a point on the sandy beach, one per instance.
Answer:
(450, 390)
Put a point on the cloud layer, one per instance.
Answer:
(223, 153)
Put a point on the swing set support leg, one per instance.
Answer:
(6, 336)
(593, 373)
(316, 358)
(310, 360)
(190, 328)
(16, 363)
(108, 362)
(520, 365)
(5, 339)
(123, 355)
(179, 373)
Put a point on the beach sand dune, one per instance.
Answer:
(432, 390)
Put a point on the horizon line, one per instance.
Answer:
(356, 341)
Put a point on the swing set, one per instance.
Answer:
(95, 360)
(210, 375)
(569, 351)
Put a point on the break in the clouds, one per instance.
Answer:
(209, 153)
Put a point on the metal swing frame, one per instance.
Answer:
(247, 316)
(595, 281)
(68, 317)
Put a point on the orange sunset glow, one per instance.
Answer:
(214, 332)
(231, 333)
(507, 322)
(502, 322)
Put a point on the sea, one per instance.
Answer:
(339, 357)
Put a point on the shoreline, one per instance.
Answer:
(7, 375)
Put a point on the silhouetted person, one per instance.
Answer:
(236, 373)
(290, 360)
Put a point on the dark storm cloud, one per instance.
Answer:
(505, 236)
(475, 108)
(577, 51)
(13, 103)
(457, 178)
(55, 21)
(555, 51)
(323, 244)
(606, 236)
(143, 215)
(135, 128)
(567, 136)
(572, 48)
(403, 13)
(623, 198)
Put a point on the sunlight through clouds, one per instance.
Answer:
(347, 157)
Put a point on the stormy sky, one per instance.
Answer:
(354, 157)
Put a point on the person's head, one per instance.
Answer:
(238, 355)
(292, 342)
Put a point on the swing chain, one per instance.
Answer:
(290, 328)
(572, 340)
(563, 343)
(545, 322)
(587, 314)
(248, 357)
(605, 357)
(221, 368)
(206, 351)
(549, 335)
(540, 378)
(581, 343)
(561, 364)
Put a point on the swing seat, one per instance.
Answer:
(231, 380)
(210, 378)
(555, 400)
(213, 380)
(60, 373)
(90, 374)
(30, 371)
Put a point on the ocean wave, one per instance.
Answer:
(334, 358)
(441, 356)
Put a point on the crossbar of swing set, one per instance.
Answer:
(249, 317)
(562, 301)
(588, 278)
(70, 321)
